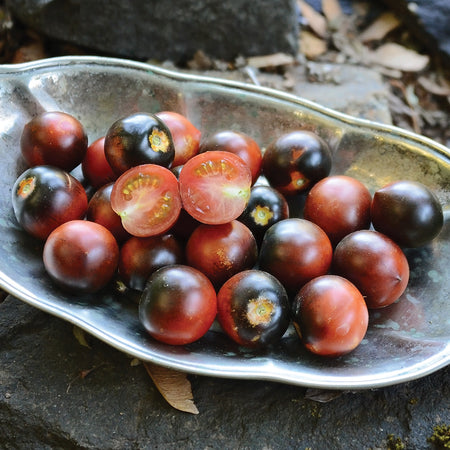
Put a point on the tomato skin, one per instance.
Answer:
(186, 137)
(295, 161)
(138, 139)
(339, 205)
(221, 251)
(96, 169)
(253, 309)
(295, 251)
(44, 197)
(54, 138)
(215, 187)
(238, 143)
(81, 256)
(375, 264)
(140, 257)
(330, 316)
(408, 212)
(178, 305)
(147, 199)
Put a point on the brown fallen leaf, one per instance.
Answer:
(312, 46)
(315, 20)
(81, 336)
(395, 56)
(332, 11)
(433, 87)
(173, 386)
(273, 60)
(378, 29)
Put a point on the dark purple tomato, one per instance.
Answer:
(44, 197)
(330, 316)
(221, 251)
(265, 207)
(96, 169)
(339, 205)
(408, 212)
(100, 211)
(54, 139)
(178, 305)
(375, 264)
(140, 257)
(296, 161)
(253, 309)
(138, 139)
(81, 256)
(238, 143)
(295, 251)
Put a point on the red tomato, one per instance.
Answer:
(95, 167)
(185, 136)
(238, 143)
(178, 305)
(215, 187)
(146, 198)
(330, 316)
(81, 256)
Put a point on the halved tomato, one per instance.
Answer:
(146, 198)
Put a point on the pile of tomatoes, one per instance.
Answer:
(201, 226)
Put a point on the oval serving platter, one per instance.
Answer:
(405, 341)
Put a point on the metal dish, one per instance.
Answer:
(405, 341)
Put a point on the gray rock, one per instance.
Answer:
(171, 29)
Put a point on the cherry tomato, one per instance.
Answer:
(147, 200)
(186, 137)
(81, 256)
(54, 139)
(221, 251)
(215, 187)
(339, 205)
(296, 161)
(330, 316)
(253, 309)
(178, 305)
(44, 197)
(375, 264)
(238, 143)
(140, 257)
(265, 207)
(100, 211)
(295, 251)
(96, 169)
(408, 212)
(138, 139)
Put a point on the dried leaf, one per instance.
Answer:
(384, 24)
(80, 336)
(315, 20)
(396, 56)
(173, 386)
(312, 46)
(332, 10)
(322, 395)
(273, 60)
(433, 87)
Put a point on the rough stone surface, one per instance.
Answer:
(167, 29)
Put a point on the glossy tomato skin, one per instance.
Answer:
(100, 211)
(96, 169)
(295, 251)
(375, 264)
(44, 197)
(140, 138)
(140, 257)
(81, 256)
(339, 205)
(54, 138)
(241, 144)
(265, 207)
(330, 316)
(221, 251)
(215, 187)
(178, 305)
(186, 137)
(408, 212)
(147, 199)
(253, 309)
(296, 161)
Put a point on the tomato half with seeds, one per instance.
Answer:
(215, 187)
(146, 198)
